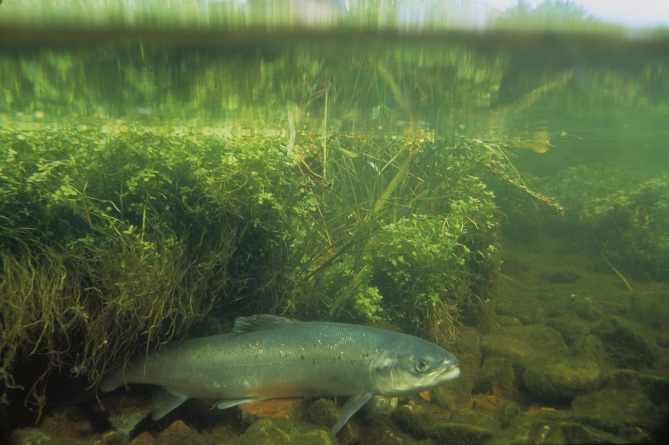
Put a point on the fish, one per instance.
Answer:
(271, 357)
(538, 142)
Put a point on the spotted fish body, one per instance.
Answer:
(268, 357)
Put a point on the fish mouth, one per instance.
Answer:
(449, 373)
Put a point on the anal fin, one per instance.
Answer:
(163, 401)
(225, 404)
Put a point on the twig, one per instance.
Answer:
(617, 273)
(514, 281)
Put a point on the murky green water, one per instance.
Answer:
(504, 195)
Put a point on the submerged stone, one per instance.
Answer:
(540, 337)
(277, 408)
(325, 413)
(381, 405)
(507, 413)
(561, 377)
(449, 433)
(496, 377)
(518, 351)
(178, 433)
(655, 387)
(466, 425)
(539, 430)
(618, 410)
(627, 343)
(281, 432)
(416, 420)
(571, 328)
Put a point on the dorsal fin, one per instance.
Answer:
(258, 323)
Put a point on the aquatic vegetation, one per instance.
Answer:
(122, 236)
(102, 242)
(627, 212)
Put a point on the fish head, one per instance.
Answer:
(411, 365)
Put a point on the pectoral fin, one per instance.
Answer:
(351, 407)
(225, 404)
(163, 401)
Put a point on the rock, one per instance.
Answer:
(572, 329)
(538, 429)
(514, 264)
(627, 343)
(655, 387)
(389, 436)
(467, 348)
(416, 420)
(486, 403)
(322, 412)
(563, 276)
(126, 412)
(30, 436)
(382, 430)
(542, 338)
(470, 416)
(277, 408)
(466, 426)
(561, 377)
(507, 413)
(589, 347)
(178, 433)
(111, 438)
(143, 439)
(381, 405)
(33, 436)
(627, 413)
(325, 413)
(455, 392)
(496, 377)
(280, 432)
(517, 351)
(66, 426)
(69, 421)
(449, 433)
(506, 321)
(522, 305)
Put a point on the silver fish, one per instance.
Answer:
(268, 357)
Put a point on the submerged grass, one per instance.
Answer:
(117, 239)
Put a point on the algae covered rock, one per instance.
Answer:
(539, 430)
(615, 409)
(416, 420)
(448, 433)
(507, 413)
(467, 348)
(540, 337)
(178, 433)
(325, 413)
(655, 387)
(517, 351)
(561, 377)
(281, 432)
(627, 343)
(496, 378)
(571, 328)
(466, 426)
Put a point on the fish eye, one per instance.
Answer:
(421, 365)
